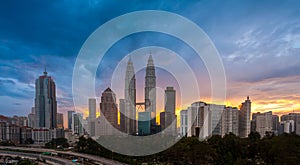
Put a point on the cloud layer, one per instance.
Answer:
(259, 43)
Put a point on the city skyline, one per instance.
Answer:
(260, 59)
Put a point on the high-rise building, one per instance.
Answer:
(45, 102)
(205, 119)
(264, 123)
(275, 124)
(286, 126)
(295, 117)
(198, 114)
(144, 123)
(215, 119)
(70, 114)
(31, 118)
(162, 119)
(129, 114)
(92, 108)
(183, 122)
(122, 104)
(244, 118)
(20, 120)
(150, 91)
(170, 125)
(108, 113)
(231, 121)
(92, 117)
(60, 120)
(77, 123)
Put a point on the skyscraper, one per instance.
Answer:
(77, 125)
(70, 113)
(205, 119)
(244, 118)
(231, 121)
(130, 100)
(295, 117)
(60, 120)
(31, 118)
(170, 117)
(92, 116)
(45, 102)
(150, 90)
(264, 123)
(144, 123)
(198, 122)
(108, 113)
(162, 120)
(183, 122)
(122, 104)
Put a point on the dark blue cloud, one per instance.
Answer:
(35, 34)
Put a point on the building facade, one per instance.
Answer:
(144, 123)
(183, 122)
(45, 102)
(295, 117)
(198, 120)
(60, 120)
(92, 117)
(108, 113)
(264, 123)
(231, 121)
(150, 91)
(77, 125)
(170, 125)
(129, 115)
(244, 118)
(70, 114)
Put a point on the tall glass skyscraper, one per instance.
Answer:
(130, 99)
(70, 113)
(150, 90)
(45, 102)
(244, 118)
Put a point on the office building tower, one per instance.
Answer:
(77, 123)
(45, 102)
(205, 119)
(170, 125)
(108, 113)
(129, 115)
(31, 118)
(162, 120)
(60, 120)
(92, 117)
(264, 123)
(144, 121)
(275, 124)
(286, 126)
(70, 114)
(183, 122)
(215, 119)
(122, 104)
(150, 91)
(295, 117)
(198, 114)
(231, 121)
(244, 118)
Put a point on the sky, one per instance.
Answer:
(257, 40)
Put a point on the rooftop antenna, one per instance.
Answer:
(45, 72)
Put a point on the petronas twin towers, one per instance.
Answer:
(128, 105)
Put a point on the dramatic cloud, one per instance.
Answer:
(259, 43)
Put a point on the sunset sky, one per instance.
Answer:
(258, 42)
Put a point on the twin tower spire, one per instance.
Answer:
(130, 95)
